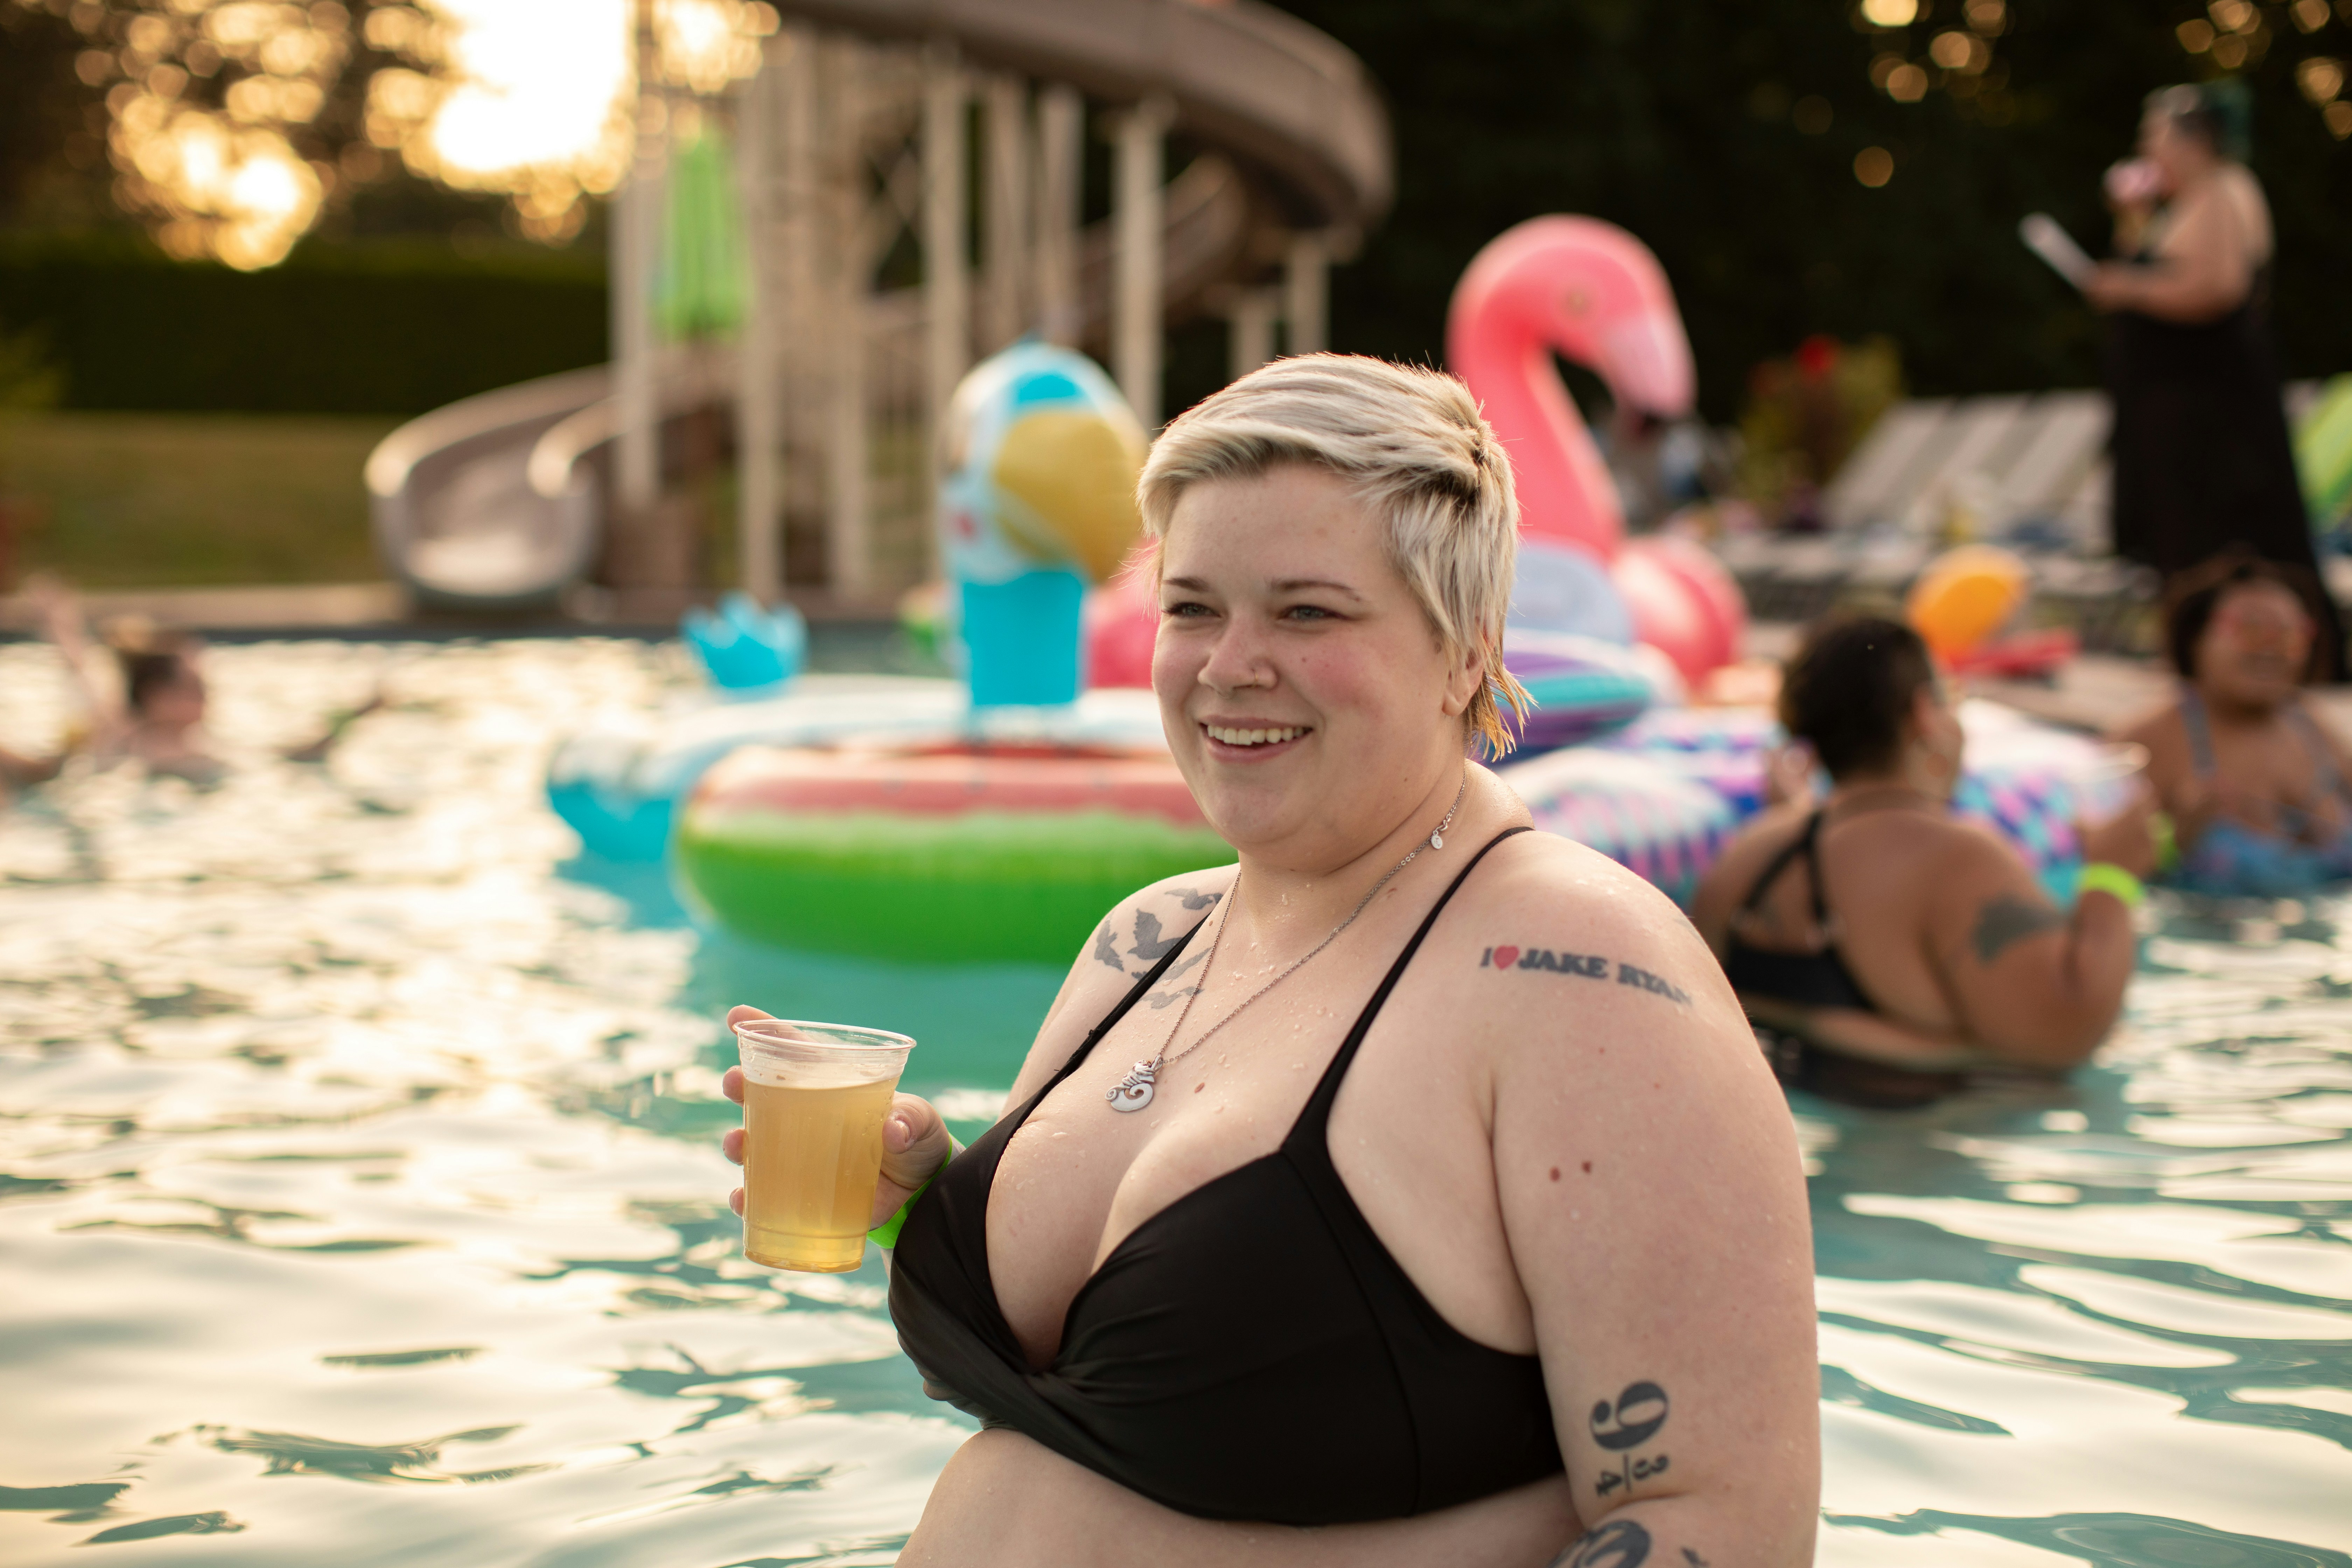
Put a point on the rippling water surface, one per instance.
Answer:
(358, 1201)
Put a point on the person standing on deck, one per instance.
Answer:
(2202, 458)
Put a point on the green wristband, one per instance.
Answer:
(2103, 876)
(885, 1235)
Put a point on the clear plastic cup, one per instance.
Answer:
(814, 1098)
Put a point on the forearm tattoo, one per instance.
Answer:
(1619, 1427)
(1616, 1543)
(1637, 1415)
(1583, 966)
(2007, 919)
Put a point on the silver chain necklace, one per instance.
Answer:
(1134, 1091)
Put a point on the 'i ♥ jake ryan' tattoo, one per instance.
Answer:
(1584, 966)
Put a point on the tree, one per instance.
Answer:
(1725, 134)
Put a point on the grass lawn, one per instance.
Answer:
(164, 500)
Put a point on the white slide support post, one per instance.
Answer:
(800, 193)
(848, 552)
(759, 521)
(945, 220)
(636, 241)
(1137, 204)
(1307, 293)
(1009, 212)
(1249, 325)
(1061, 154)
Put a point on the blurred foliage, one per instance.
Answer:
(1805, 415)
(27, 378)
(389, 326)
(53, 166)
(146, 501)
(231, 127)
(1724, 133)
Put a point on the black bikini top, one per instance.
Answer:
(1818, 979)
(1251, 1351)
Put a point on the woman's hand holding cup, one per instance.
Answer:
(915, 1141)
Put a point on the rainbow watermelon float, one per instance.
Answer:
(935, 853)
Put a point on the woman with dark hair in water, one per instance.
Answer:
(1884, 948)
(2256, 787)
(2201, 452)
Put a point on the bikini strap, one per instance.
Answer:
(1805, 843)
(1126, 1004)
(2201, 733)
(1318, 1111)
(2325, 778)
(1812, 843)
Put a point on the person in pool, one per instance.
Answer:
(154, 713)
(1884, 948)
(1412, 1191)
(2256, 787)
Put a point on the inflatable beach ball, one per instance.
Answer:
(1966, 595)
(1038, 502)
(1664, 828)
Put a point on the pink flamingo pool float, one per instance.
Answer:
(1595, 295)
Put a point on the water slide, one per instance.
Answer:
(500, 498)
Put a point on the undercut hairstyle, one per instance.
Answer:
(2190, 599)
(1849, 690)
(1413, 447)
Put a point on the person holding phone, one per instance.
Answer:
(2202, 458)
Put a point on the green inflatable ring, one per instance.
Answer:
(951, 854)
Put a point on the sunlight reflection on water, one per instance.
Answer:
(358, 1200)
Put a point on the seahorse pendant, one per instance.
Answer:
(1132, 1092)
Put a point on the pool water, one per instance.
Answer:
(359, 1199)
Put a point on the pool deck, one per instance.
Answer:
(388, 610)
(2094, 691)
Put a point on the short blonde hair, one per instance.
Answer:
(1412, 445)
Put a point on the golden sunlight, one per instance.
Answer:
(530, 98)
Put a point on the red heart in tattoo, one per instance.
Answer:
(1505, 957)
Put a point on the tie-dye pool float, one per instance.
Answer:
(2028, 781)
(1663, 828)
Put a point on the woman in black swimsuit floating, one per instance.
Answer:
(1414, 1192)
(1883, 947)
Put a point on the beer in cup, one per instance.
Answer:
(814, 1098)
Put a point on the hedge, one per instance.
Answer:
(372, 327)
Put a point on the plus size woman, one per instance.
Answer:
(1413, 1193)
